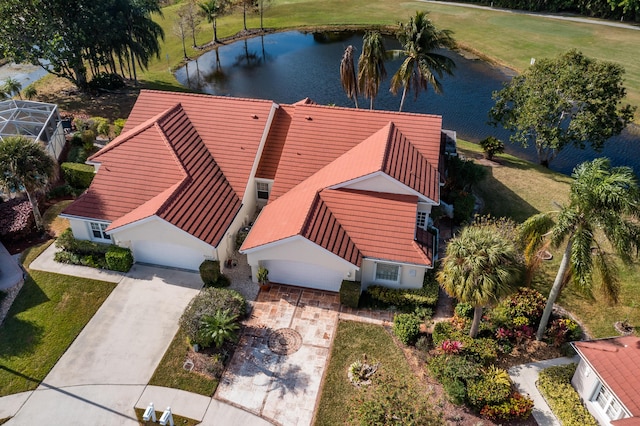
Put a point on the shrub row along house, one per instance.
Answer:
(344, 194)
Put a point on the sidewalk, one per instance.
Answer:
(525, 377)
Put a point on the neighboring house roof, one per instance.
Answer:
(617, 362)
(356, 223)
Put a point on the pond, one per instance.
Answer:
(289, 66)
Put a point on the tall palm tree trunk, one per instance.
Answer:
(36, 211)
(555, 291)
(475, 325)
(404, 95)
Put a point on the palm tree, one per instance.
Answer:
(481, 266)
(30, 92)
(25, 167)
(218, 328)
(348, 75)
(11, 86)
(603, 200)
(371, 70)
(421, 66)
(211, 10)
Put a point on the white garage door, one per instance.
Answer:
(167, 254)
(303, 275)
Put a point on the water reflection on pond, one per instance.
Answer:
(286, 67)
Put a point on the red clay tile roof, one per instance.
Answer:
(379, 225)
(180, 164)
(268, 165)
(617, 363)
(231, 128)
(128, 178)
(320, 134)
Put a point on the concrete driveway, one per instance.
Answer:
(108, 366)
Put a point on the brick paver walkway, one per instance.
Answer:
(281, 387)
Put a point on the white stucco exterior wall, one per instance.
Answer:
(586, 383)
(80, 229)
(411, 276)
(170, 245)
(299, 249)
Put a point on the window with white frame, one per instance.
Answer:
(608, 403)
(421, 220)
(263, 190)
(98, 231)
(387, 272)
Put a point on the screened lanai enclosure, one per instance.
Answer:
(35, 120)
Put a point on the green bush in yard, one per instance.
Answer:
(406, 327)
(425, 296)
(209, 301)
(555, 385)
(66, 241)
(77, 175)
(210, 274)
(493, 387)
(119, 259)
(442, 331)
(464, 310)
(350, 293)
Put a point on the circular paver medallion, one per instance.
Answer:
(284, 341)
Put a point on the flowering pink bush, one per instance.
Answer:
(451, 346)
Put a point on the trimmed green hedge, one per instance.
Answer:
(89, 253)
(406, 327)
(119, 259)
(66, 241)
(425, 296)
(77, 175)
(211, 275)
(554, 384)
(350, 293)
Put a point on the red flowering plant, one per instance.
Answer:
(451, 346)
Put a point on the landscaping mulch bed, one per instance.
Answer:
(532, 351)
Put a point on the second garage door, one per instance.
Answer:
(303, 275)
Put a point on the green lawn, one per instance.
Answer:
(43, 321)
(506, 38)
(339, 397)
(517, 188)
(170, 373)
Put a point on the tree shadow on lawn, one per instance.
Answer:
(17, 336)
(500, 201)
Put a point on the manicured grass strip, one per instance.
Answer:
(56, 225)
(48, 314)
(170, 373)
(353, 339)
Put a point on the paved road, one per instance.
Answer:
(542, 15)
